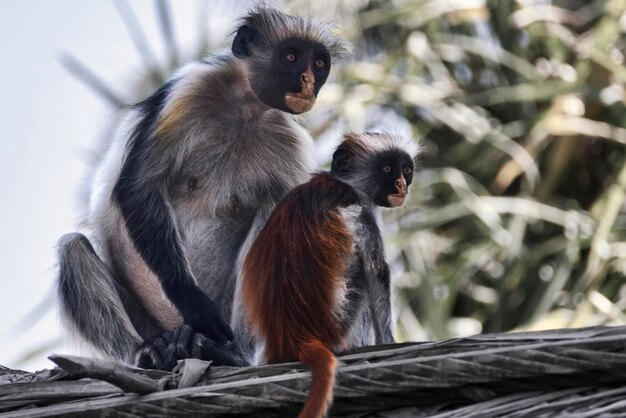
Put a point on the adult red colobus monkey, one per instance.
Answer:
(316, 280)
(184, 190)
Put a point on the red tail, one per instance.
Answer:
(322, 363)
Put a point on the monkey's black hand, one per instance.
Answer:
(203, 316)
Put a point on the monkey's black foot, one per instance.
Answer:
(220, 354)
(165, 350)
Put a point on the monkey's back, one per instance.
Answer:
(294, 275)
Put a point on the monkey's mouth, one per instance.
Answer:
(396, 199)
(299, 102)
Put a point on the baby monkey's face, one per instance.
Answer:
(395, 173)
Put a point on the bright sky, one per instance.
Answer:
(50, 124)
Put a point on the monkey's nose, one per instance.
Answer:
(308, 83)
(401, 185)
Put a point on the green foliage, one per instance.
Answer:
(516, 219)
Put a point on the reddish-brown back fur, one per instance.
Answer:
(293, 271)
(292, 274)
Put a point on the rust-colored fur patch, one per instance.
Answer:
(177, 109)
(323, 364)
(293, 271)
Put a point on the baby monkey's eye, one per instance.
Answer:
(290, 56)
(320, 63)
(407, 170)
(387, 169)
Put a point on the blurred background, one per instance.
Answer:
(516, 220)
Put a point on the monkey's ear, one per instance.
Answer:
(244, 41)
(341, 161)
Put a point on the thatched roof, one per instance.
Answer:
(577, 373)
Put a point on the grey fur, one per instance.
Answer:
(96, 309)
(222, 160)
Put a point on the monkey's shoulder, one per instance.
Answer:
(317, 201)
(215, 93)
(324, 192)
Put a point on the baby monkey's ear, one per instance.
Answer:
(244, 41)
(342, 158)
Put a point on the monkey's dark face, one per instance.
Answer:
(394, 175)
(295, 73)
(290, 75)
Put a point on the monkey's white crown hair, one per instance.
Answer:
(274, 26)
(382, 141)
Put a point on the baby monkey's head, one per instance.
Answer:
(378, 164)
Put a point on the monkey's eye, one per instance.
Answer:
(320, 63)
(407, 171)
(290, 56)
(387, 169)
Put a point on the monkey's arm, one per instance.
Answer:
(141, 194)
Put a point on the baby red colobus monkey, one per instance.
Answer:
(315, 280)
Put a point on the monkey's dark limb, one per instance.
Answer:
(142, 201)
(384, 304)
(165, 350)
(221, 354)
(379, 281)
(90, 300)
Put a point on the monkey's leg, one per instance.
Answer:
(379, 306)
(380, 302)
(90, 301)
(378, 281)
